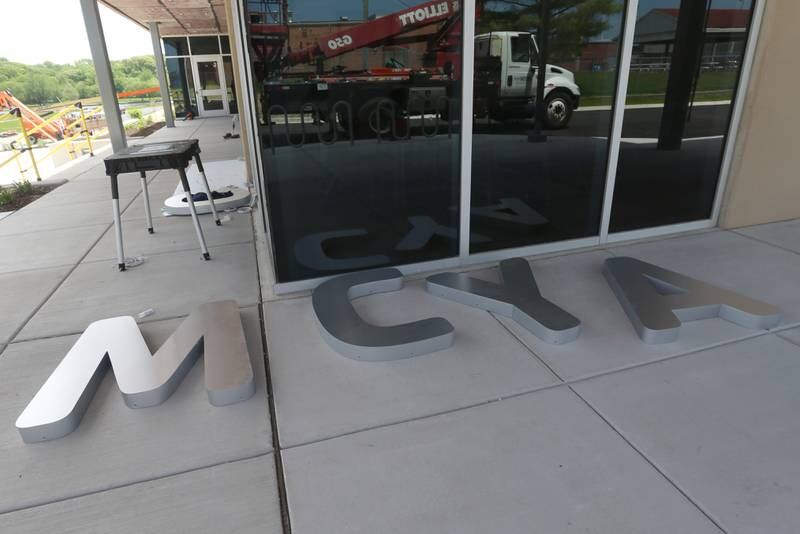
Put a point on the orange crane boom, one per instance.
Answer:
(31, 119)
(374, 32)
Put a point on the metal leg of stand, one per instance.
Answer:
(146, 196)
(193, 211)
(207, 189)
(117, 221)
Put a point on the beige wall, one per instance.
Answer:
(235, 51)
(764, 183)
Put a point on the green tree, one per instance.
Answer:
(39, 89)
(573, 23)
(48, 82)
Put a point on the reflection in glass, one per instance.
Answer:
(359, 131)
(204, 45)
(181, 86)
(208, 75)
(175, 46)
(686, 63)
(213, 103)
(539, 176)
(233, 107)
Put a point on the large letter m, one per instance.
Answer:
(214, 330)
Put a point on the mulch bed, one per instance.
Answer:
(22, 200)
(147, 130)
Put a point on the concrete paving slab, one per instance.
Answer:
(173, 284)
(33, 219)
(607, 340)
(722, 424)
(94, 173)
(86, 191)
(162, 187)
(22, 292)
(25, 252)
(115, 445)
(792, 335)
(172, 234)
(733, 262)
(320, 393)
(237, 497)
(784, 234)
(83, 167)
(542, 462)
(225, 149)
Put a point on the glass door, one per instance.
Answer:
(685, 68)
(540, 143)
(210, 85)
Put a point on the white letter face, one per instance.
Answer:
(656, 300)
(517, 298)
(144, 379)
(348, 334)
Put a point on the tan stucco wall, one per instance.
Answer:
(764, 183)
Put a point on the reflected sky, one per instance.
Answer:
(325, 10)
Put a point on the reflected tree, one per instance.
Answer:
(572, 22)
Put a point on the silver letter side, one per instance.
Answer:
(214, 330)
(348, 334)
(517, 298)
(656, 300)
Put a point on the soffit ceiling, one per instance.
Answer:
(175, 17)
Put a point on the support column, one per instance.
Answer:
(543, 40)
(161, 74)
(105, 79)
(687, 53)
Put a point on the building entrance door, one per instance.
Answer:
(210, 85)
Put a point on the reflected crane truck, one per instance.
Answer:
(376, 100)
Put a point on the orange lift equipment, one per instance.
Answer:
(36, 126)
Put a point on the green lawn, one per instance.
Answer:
(8, 123)
(597, 88)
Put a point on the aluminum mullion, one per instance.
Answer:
(623, 69)
(467, 92)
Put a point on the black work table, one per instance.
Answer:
(155, 157)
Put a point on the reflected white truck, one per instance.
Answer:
(506, 69)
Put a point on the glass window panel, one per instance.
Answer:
(181, 86)
(539, 176)
(233, 107)
(204, 45)
(225, 44)
(360, 135)
(685, 67)
(208, 75)
(213, 102)
(175, 46)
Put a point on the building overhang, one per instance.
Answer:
(175, 17)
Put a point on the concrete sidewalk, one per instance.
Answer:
(184, 466)
(504, 433)
(499, 433)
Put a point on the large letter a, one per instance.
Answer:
(656, 300)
